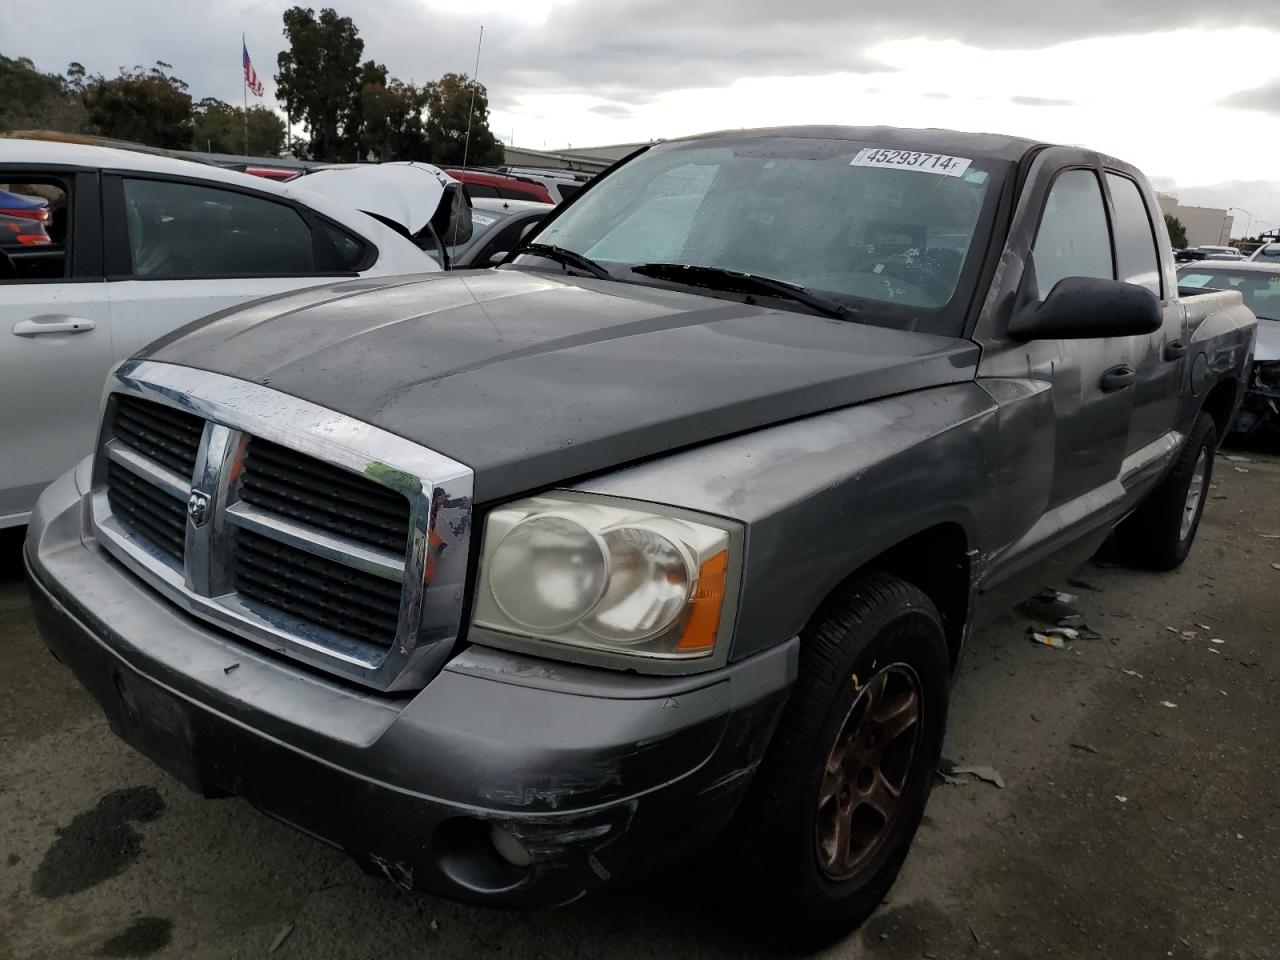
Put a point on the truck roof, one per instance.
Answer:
(992, 146)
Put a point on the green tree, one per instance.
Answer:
(449, 102)
(319, 80)
(1177, 232)
(31, 100)
(144, 106)
(392, 124)
(220, 127)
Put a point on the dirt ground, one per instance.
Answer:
(1140, 815)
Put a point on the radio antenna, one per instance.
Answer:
(466, 143)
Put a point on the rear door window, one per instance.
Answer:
(1073, 240)
(35, 237)
(1138, 262)
(182, 230)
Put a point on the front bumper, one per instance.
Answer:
(599, 775)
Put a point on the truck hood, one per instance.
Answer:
(533, 379)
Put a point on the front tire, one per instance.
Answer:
(1160, 533)
(844, 783)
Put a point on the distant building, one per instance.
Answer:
(1206, 226)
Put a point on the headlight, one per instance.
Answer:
(604, 575)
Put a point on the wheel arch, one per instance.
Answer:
(937, 560)
(1220, 404)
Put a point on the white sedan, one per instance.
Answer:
(120, 249)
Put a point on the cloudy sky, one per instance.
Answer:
(1187, 90)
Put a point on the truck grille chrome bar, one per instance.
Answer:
(287, 524)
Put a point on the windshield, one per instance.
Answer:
(890, 232)
(1261, 291)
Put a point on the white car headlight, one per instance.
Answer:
(604, 575)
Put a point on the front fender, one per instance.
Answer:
(822, 496)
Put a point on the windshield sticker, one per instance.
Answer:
(1194, 280)
(935, 163)
(482, 220)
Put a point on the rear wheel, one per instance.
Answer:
(845, 781)
(1162, 531)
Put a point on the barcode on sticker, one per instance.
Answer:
(911, 160)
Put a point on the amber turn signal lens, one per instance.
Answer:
(708, 600)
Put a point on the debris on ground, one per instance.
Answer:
(1236, 458)
(1085, 747)
(1166, 703)
(434, 924)
(1074, 621)
(1242, 469)
(1132, 673)
(1270, 536)
(1275, 566)
(1122, 799)
(1051, 595)
(281, 937)
(1218, 640)
(956, 776)
(1056, 637)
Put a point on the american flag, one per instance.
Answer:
(250, 75)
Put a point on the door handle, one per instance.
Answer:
(1117, 378)
(1175, 350)
(53, 324)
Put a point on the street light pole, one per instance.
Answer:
(1248, 223)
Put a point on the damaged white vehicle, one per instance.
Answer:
(121, 248)
(1258, 281)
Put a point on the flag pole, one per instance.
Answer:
(244, 79)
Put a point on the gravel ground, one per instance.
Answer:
(1140, 815)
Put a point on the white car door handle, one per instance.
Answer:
(53, 324)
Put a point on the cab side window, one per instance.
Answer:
(1074, 239)
(182, 230)
(1138, 262)
(34, 229)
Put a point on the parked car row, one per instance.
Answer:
(518, 583)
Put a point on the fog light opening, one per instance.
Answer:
(508, 847)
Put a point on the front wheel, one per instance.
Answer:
(844, 783)
(1162, 531)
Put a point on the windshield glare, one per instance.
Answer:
(1261, 291)
(895, 243)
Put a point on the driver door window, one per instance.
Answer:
(1074, 239)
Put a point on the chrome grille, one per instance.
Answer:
(147, 510)
(287, 524)
(323, 496)
(168, 436)
(318, 591)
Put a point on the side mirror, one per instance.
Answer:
(1085, 308)
(497, 257)
(452, 219)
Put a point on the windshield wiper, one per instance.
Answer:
(569, 258)
(719, 278)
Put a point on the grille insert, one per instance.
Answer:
(148, 511)
(168, 436)
(321, 495)
(316, 590)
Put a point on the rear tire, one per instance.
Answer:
(1161, 532)
(844, 783)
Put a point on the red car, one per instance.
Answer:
(23, 220)
(503, 188)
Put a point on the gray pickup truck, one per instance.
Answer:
(669, 531)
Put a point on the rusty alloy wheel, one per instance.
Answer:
(866, 772)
